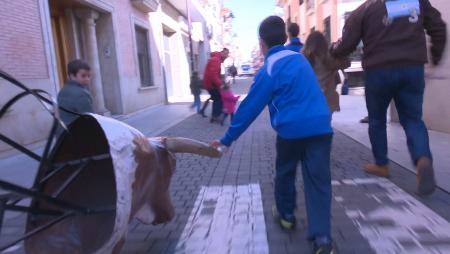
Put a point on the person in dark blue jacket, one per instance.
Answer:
(294, 42)
(300, 116)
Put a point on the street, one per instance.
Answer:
(224, 205)
(370, 215)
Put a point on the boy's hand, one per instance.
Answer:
(219, 146)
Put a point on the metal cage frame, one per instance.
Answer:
(46, 170)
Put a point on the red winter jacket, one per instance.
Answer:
(211, 77)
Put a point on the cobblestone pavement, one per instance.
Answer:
(370, 215)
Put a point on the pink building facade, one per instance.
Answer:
(138, 50)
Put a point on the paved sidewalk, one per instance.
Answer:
(353, 108)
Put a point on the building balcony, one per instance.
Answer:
(146, 5)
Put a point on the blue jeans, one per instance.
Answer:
(405, 85)
(197, 103)
(314, 155)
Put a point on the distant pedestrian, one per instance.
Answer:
(229, 102)
(300, 116)
(232, 71)
(212, 82)
(196, 89)
(343, 80)
(75, 95)
(294, 42)
(326, 67)
(395, 51)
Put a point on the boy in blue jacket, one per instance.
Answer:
(300, 116)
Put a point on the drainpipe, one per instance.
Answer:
(188, 9)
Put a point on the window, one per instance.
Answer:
(327, 29)
(143, 56)
(310, 4)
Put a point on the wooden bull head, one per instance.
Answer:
(135, 180)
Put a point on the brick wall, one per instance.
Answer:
(21, 44)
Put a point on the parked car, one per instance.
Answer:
(246, 70)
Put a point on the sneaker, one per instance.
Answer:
(426, 183)
(377, 170)
(287, 223)
(323, 245)
(324, 249)
(364, 120)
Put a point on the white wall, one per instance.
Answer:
(342, 8)
(437, 92)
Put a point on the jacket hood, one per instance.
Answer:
(216, 54)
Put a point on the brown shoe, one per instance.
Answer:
(377, 170)
(425, 176)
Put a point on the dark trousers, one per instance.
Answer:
(217, 102)
(405, 85)
(205, 105)
(314, 155)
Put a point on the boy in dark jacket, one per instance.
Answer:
(196, 89)
(395, 51)
(294, 42)
(75, 95)
(300, 116)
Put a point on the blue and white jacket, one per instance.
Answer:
(295, 45)
(287, 84)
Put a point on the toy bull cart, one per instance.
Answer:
(91, 181)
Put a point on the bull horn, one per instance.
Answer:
(186, 145)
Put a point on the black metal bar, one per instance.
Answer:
(101, 210)
(16, 98)
(36, 230)
(82, 160)
(45, 160)
(14, 198)
(36, 211)
(20, 148)
(2, 212)
(41, 196)
(52, 173)
(61, 166)
(71, 178)
(24, 87)
(14, 81)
